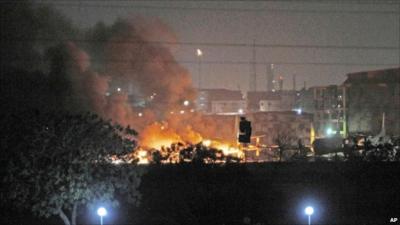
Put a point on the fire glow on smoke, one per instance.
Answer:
(137, 82)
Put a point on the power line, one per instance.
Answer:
(231, 62)
(219, 44)
(209, 9)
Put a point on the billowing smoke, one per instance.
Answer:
(126, 72)
(136, 56)
(141, 85)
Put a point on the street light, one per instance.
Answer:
(101, 212)
(199, 55)
(309, 211)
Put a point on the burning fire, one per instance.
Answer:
(159, 135)
(169, 145)
(142, 156)
(226, 147)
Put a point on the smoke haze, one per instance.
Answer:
(125, 74)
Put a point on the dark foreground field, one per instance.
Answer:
(274, 193)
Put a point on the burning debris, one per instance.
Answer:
(180, 152)
(138, 83)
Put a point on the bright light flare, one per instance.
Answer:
(186, 103)
(101, 211)
(199, 52)
(330, 131)
(309, 210)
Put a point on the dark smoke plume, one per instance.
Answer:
(146, 86)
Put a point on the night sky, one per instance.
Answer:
(366, 33)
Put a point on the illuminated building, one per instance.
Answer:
(221, 101)
(369, 95)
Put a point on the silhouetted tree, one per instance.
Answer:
(284, 139)
(62, 162)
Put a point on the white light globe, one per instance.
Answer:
(101, 211)
(309, 210)
(186, 103)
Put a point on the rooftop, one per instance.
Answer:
(386, 75)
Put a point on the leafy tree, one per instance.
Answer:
(64, 163)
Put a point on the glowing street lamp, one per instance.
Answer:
(101, 212)
(309, 211)
(199, 55)
(199, 52)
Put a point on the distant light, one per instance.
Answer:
(240, 111)
(107, 93)
(182, 112)
(309, 210)
(118, 89)
(329, 131)
(298, 94)
(162, 127)
(199, 52)
(192, 110)
(172, 112)
(273, 90)
(101, 211)
(140, 114)
(299, 111)
(186, 103)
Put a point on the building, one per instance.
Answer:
(270, 103)
(327, 104)
(305, 100)
(329, 110)
(290, 125)
(228, 106)
(267, 101)
(371, 94)
(221, 101)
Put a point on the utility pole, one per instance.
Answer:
(199, 54)
(294, 82)
(270, 77)
(253, 73)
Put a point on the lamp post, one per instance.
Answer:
(101, 212)
(309, 211)
(199, 55)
